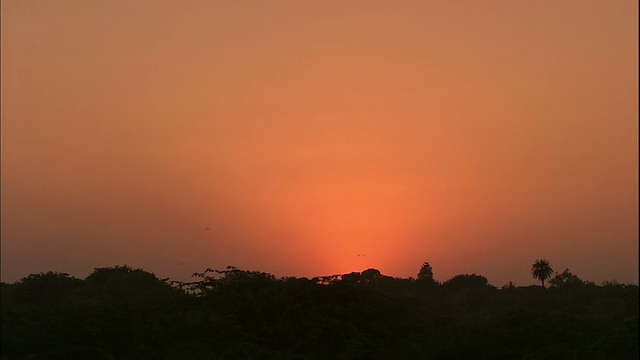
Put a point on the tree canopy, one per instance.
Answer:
(426, 272)
(541, 270)
(126, 313)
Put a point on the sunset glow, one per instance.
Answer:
(316, 138)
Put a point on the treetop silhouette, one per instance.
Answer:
(541, 270)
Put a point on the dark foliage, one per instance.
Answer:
(541, 270)
(125, 313)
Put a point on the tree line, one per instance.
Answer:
(125, 313)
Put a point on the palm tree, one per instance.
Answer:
(541, 270)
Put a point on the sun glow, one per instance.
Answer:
(303, 136)
(352, 225)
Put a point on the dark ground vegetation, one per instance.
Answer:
(125, 313)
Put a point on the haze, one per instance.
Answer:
(315, 138)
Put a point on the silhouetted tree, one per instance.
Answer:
(46, 287)
(466, 281)
(566, 278)
(371, 275)
(352, 277)
(426, 272)
(541, 270)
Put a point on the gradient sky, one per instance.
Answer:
(307, 138)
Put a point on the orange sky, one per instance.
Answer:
(307, 138)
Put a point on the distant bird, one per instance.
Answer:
(207, 228)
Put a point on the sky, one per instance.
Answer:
(310, 138)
